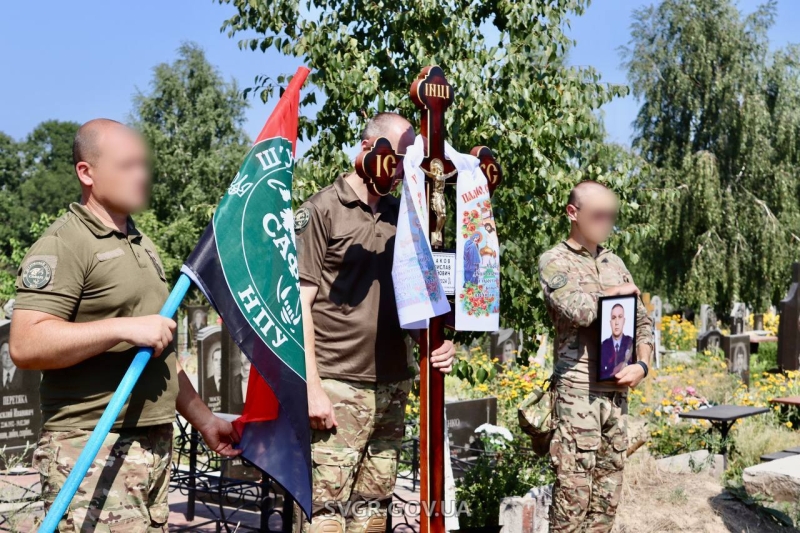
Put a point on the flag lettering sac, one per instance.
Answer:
(266, 284)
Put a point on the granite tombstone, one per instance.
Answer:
(708, 318)
(788, 330)
(210, 368)
(20, 413)
(739, 318)
(710, 340)
(463, 418)
(737, 353)
(239, 372)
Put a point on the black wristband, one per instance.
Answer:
(644, 366)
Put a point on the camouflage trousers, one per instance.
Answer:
(355, 464)
(588, 454)
(126, 487)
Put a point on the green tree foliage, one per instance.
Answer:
(192, 120)
(513, 93)
(719, 129)
(11, 261)
(37, 178)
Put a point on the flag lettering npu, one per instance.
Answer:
(246, 265)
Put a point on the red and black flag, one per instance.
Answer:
(246, 265)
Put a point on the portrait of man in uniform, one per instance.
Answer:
(616, 348)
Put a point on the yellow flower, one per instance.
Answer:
(658, 413)
(789, 425)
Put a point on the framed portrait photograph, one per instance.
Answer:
(617, 342)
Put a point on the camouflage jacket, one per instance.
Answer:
(572, 282)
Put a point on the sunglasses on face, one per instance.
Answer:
(609, 216)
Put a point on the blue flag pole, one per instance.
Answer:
(113, 409)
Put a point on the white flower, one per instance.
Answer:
(491, 429)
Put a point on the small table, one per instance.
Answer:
(793, 401)
(722, 417)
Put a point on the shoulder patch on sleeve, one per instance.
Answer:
(557, 281)
(301, 218)
(38, 271)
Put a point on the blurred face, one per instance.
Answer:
(119, 175)
(595, 214)
(617, 321)
(5, 356)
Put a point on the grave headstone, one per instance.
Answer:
(739, 318)
(20, 414)
(658, 309)
(710, 340)
(198, 319)
(737, 352)
(505, 344)
(708, 318)
(238, 370)
(788, 330)
(758, 321)
(210, 366)
(463, 418)
(656, 314)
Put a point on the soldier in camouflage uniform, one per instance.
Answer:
(588, 449)
(88, 294)
(357, 368)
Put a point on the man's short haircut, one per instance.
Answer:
(618, 305)
(575, 193)
(379, 124)
(84, 146)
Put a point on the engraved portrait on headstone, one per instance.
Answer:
(209, 366)
(739, 317)
(708, 318)
(737, 352)
(710, 340)
(505, 345)
(239, 372)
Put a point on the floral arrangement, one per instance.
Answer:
(470, 222)
(475, 301)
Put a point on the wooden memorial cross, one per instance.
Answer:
(376, 165)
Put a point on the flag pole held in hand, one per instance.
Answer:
(113, 409)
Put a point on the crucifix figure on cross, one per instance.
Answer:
(376, 165)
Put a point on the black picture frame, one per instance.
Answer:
(608, 357)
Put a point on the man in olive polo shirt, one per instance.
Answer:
(357, 369)
(88, 294)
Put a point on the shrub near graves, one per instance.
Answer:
(481, 376)
(677, 333)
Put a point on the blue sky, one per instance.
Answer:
(83, 59)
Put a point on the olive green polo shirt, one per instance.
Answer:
(347, 251)
(83, 271)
